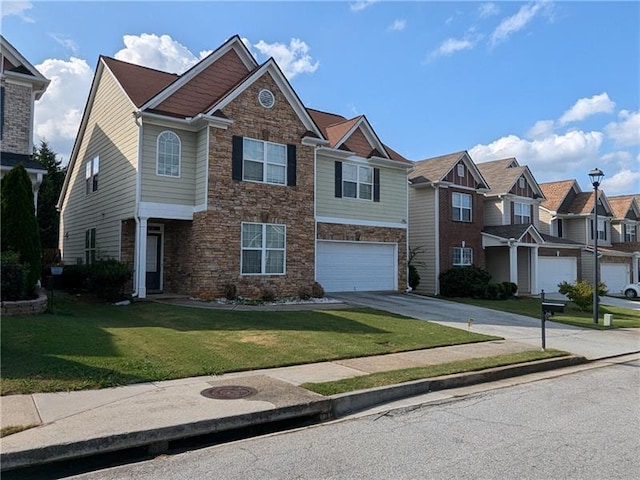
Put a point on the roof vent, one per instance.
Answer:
(266, 98)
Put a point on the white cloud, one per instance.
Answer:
(292, 59)
(585, 107)
(621, 183)
(18, 9)
(627, 130)
(541, 129)
(59, 112)
(488, 9)
(159, 52)
(451, 46)
(361, 5)
(516, 22)
(65, 41)
(398, 25)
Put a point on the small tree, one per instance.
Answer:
(581, 293)
(19, 225)
(414, 276)
(48, 215)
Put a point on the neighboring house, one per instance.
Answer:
(625, 229)
(510, 236)
(567, 212)
(446, 216)
(20, 86)
(222, 176)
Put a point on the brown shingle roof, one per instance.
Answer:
(436, 168)
(582, 204)
(555, 193)
(501, 174)
(620, 205)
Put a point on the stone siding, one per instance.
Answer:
(26, 307)
(17, 119)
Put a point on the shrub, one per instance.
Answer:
(305, 292)
(509, 289)
(414, 277)
(317, 291)
(581, 293)
(108, 278)
(75, 278)
(268, 294)
(464, 282)
(14, 277)
(494, 291)
(230, 291)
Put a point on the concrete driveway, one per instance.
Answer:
(592, 344)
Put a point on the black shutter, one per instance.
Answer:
(291, 165)
(236, 158)
(376, 184)
(338, 168)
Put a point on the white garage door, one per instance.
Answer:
(553, 270)
(356, 266)
(615, 276)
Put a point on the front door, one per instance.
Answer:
(154, 249)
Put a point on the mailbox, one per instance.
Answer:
(553, 307)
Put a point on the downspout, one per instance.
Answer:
(315, 213)
(136, 217)
(436, 204)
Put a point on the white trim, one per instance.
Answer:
(369, 135)
(264, 250)
(361, 223)
(265, 161)
(179, 155)
(161, 266)
(168, 211)
(437, 238)
(206, 171)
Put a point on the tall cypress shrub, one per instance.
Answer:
(20, 231)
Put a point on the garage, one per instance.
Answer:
(554, 270)
(615, 276)
(357, 266)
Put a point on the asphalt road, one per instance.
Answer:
(584, 425)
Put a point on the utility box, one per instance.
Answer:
(608, 319)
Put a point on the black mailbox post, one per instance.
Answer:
(548, 309)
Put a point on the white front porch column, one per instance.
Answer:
(141, 267)
(534, 270)
(636, 257)
(513, 263)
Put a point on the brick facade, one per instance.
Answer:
(331, 231)
(17, 119)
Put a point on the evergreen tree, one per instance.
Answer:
(20, 232)
(48, 215)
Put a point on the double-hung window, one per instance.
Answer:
(462, 257)
(461, 204)
(168, 162)
(264, 161)
(263, 249)
(91, 170)
(357, 181)
(90, 246)
(629, 233)
(521, 213)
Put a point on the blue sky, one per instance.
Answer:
(554, 84)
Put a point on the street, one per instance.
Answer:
(583, 425)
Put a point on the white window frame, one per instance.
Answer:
(630, 233)
(519, 217)
(458, 208)
(521, 183)
(91, 171)
(461, 170)
(263, 249)
(171, 164)
(602, 234)
(265, 161)
(463, 253)
(359, 182)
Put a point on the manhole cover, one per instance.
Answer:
(228, 392)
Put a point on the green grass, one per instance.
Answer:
(622, 317)
(416, 373)
(86, 345)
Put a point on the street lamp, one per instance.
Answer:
(595, 176)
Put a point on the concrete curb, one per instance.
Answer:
(324, 409)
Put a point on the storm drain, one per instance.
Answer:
(228, 392)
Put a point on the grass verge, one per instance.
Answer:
(10, 430)
(622, 317)
(85, 345)
(394, 377)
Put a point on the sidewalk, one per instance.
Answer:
(79, 424)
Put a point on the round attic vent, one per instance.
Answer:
(266, 98)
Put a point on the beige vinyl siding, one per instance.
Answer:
(576, 230)
(164, 189)
(616, 233)
(111, 133)
(587, 264)
(422, 233)
(497, 262)
(493, 212)
(202, 153)
(392, 206)
(524, 266)
(544, 224)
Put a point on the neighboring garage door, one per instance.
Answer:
(615, 276)
(553, 270)
(356, 266)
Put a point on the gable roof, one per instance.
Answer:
(14, 64)
(621, 204)
(583, 203)
(556, 192)
(502, 175)
(436, 168)
(515, 231)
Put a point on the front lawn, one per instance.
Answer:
(86, 345)
(622, 317)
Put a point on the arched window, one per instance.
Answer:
(168, 154)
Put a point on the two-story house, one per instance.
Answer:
(222, 176)
(446, 215)
(625, 228)
(21, 85)
(568, 213)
